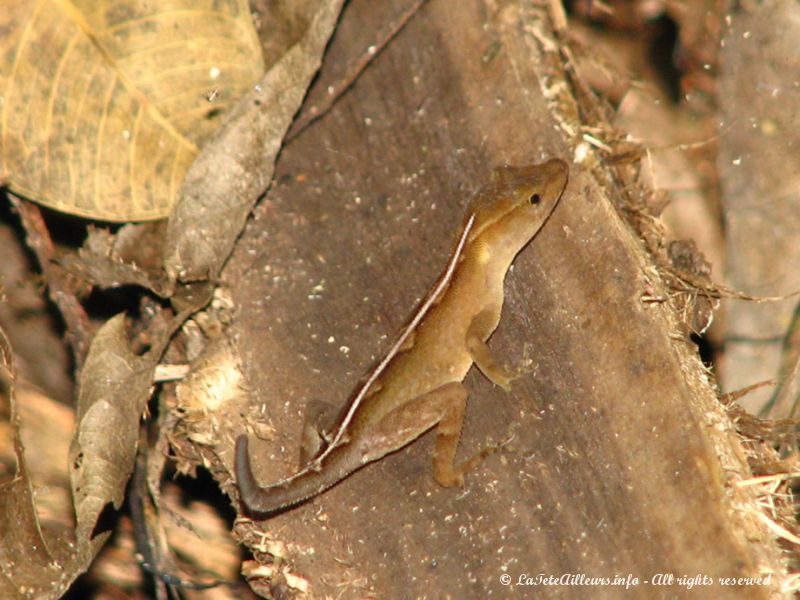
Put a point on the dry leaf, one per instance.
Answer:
(237, 166)
(105, 104)
(115, 383)
(35, 562)
(114, 388)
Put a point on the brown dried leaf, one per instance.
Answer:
(35, 562)
(106, 103)
(38, 561)
(237, 165)
(114, 387)
(132, 256)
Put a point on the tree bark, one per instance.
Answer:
(622, 464)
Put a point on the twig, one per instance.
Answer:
(353, 72)
(78, 328)
(558, 15)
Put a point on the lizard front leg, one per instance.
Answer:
(482, 326)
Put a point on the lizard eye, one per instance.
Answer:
(535, 199)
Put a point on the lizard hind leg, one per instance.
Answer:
(318, 420)
(448, 432)
(443, 408)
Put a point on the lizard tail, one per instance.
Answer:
(280, 496)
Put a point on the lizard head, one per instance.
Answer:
(515, 204)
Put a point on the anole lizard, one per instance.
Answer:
(418, 384)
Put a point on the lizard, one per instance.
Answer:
(418, 383)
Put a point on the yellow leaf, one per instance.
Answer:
(104, 104)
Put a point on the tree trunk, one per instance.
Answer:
(623, 463)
